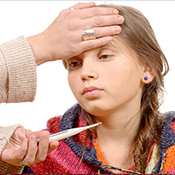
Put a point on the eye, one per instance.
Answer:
(105, 57)
(74, 64)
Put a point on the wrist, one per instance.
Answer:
(39, 49)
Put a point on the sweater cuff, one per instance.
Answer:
(6, 168)
(5, 134)
(21, 70)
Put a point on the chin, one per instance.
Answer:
(94, 110)
(94, 107)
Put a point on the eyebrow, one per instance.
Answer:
(110, 45)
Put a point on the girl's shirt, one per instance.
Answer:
(66, 158)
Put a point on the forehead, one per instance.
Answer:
(117, 45)
(122, 47)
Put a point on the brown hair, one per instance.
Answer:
(138, 35)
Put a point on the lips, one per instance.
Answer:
(91, 91)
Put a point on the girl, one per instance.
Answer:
(119, 85)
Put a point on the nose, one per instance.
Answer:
(88, 71)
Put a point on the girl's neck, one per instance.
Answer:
(115, 138)
(118, 128)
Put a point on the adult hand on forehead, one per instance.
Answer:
(63, 38)
(23, 145)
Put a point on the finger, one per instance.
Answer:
(91, 44)
(38, 134)
(32, 149)
(83, 5)
(100, 21)
(28, 132)
(54, 144)
(106, 31)
(96, 11)
(21, 152)
(42, 148)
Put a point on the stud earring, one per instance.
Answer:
(145, 78)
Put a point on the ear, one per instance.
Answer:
(148, 74)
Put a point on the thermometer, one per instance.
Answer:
(68, 133)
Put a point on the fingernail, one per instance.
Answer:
(121, 19)
(109, 38)
(44, 137)
(117, 29)
(115, 11)
(33, 138)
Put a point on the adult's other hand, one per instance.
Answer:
(63, 38)
(23, 145)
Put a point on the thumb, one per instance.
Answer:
(13, 156)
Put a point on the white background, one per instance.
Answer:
(53, 94)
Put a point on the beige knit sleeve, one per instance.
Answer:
(5, 134)
(17, 84)
(17, 72)
(6, 168)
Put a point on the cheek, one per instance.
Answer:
(116, 73)
(73, 83)
(124, 77)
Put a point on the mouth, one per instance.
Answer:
(91, 91)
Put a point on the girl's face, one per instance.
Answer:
(107, 80)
